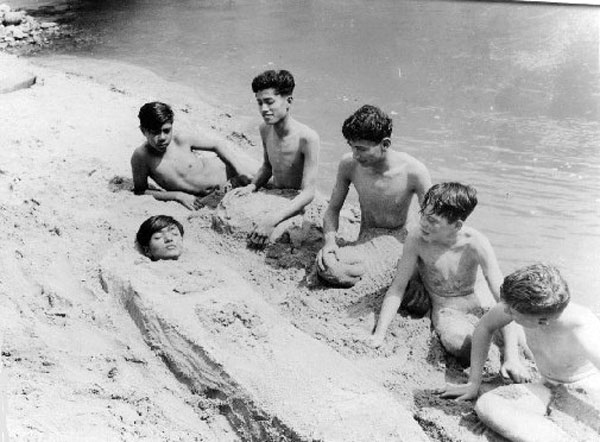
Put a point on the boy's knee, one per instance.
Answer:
(485, 406)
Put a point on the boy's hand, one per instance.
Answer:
(240, 181)
(463, 392)
(375, 341)
(246, 190)
(192, 202)
(324, 255)
(259, 237)
(516, 371)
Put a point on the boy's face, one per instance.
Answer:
(159, 140)
(167, 243)
(272, 106)
(435, 227)
(368, 153)
(531, 320)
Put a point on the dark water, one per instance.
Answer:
(503, 96)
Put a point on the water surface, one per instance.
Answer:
(503, 96)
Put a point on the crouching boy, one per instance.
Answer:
(563, 338)
(446, 255)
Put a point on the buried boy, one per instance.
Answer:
(563, 338)
(170, 159)
(385, 180)
(290, 151)
(447, 254)
(160, 237)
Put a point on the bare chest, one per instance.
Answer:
(392, 189)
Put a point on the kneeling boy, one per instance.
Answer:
(563, 338)
(290, 151)
(447, 254)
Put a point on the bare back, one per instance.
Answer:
(286, 154)
(179, 168)
(385, 197)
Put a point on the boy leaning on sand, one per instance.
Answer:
(447, 254)
(290, 151)
(564, 340)
(170, 159)
(385, 180)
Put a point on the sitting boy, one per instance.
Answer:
(447, 254)
(161, 237)
(563, 338)
(290, 151)
(385, 180)
(169, 159)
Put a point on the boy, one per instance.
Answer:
(563, 338)
(169, 159)
(290, 151)
(447, 255)
(385, 180)
(161, 237)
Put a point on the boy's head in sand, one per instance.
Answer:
(273, 91)
(535, 295)
(444, 210)
(368, 131)
(156, 123)
(161, 237)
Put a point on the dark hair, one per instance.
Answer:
(155, 224)
(282, 81)
(368, 123)
(453, 201)
(153, 115)
(536, 289)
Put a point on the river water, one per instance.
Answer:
(503, 96)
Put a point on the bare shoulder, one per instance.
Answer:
(307, 136)
(347, 164)
(475, 240)
(413, 165)
(140, 154)
(579, 316)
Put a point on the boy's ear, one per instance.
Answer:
(289, 99)
(143, 130)
(459, 224)
(386, 143)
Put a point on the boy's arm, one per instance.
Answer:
(140, 174)
(331, 219)
(422, 181)
(262, 232)
(309, 180)
(588, 335)
(261, 178)
(213, 143)
(512, 366)
(395, 293)
(493, 320)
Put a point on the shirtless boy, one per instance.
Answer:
(563, 338)
(447, 254)
(385, 180)
(169, 159)
(290, 151)
(161, 237)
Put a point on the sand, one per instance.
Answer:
(76, 365)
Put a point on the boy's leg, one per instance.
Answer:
(455, 330)
(518, 412)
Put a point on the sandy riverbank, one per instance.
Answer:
(76, 365)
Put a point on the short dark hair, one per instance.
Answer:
(154, 114)
(536, 290)
(155, 224)
(368, 123)
(282, 81)
(453, 201)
